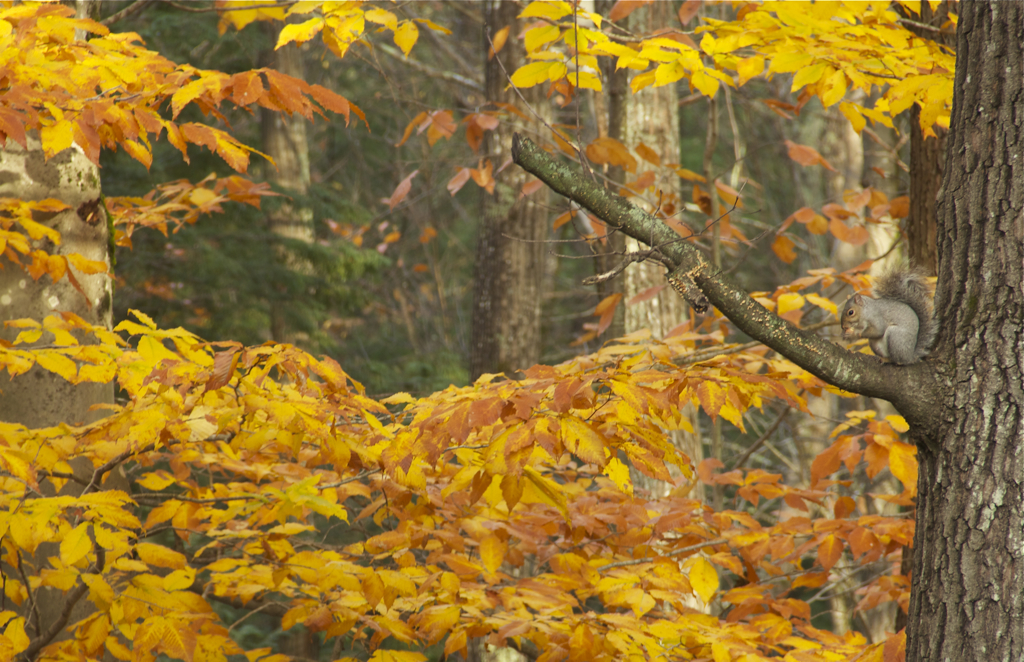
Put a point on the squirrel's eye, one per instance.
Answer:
(849, 312)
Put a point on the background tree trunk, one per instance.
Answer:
(967, 601)
(284, 140)
(927, 157)
(511, 260)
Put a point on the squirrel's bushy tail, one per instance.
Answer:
(909, 285)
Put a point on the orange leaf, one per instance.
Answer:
(899, 207)
(844, 506)
(783, 248)
(563, 218)
(531, 187)
(855, 236)
(401, 190)
(223, 369)
(829, 551)
(688, 10)
(825, 464)
(711, 397)
(646, 295)
(648, 154)
(498, 42)
(807, 156)
(610, 151)
(417, 122)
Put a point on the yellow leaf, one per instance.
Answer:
(156, 480)
(100, 591)
(406, 36)
(750, 67)
(15, 632)
(546, 9)
(540, 35)
(75, 545)
(903, 464)
(898, 423)
(619, 474)
(704, 579)
(707, 85)
(382, 17)
(160, 556)
(56, 138)
(38, 231)
(808, 75)
(790, 301)
(822, 302)
(492, 552)
(85, 265)
(57, 363)
(789, 62)
(531, 74)
(852, 114)
(582, 440)
(835, 89)
(539, 489)
(180, 580)
(300, 32)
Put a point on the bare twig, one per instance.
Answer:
(130, 10)
(449, 76)
(763, 438)
(675, 552)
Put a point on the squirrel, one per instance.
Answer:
(898, 321)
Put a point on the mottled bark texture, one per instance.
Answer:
(967, 601)
(40, 398)
(510, 255)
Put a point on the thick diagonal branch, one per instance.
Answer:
(909, 388)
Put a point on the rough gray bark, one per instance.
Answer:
(967, 599)
(511, 258)
(965, 404)
(40, 398)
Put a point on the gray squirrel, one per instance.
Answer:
(898, 321)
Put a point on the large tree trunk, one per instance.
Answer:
(967, 600)
(40, 398)
(511, 260)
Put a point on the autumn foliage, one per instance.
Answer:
(502, 510)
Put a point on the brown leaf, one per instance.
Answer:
(401, 190)
(223, 368)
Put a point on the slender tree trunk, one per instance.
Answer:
(511, 258)
(651, 117)
(284, 140)
(967, 600)
(927, 158)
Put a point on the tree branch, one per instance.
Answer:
(912, 389)
(133, 8)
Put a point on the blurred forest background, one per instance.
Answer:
(395, 309)
(388, 289)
